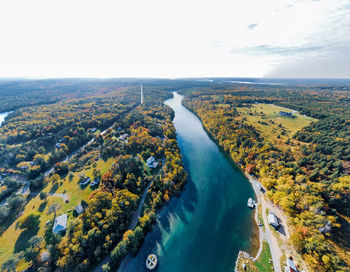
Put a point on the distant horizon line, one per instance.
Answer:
(172, 78)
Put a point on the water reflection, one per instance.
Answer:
(203, 228)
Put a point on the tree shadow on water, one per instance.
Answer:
(180, 206)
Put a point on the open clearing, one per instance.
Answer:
(266, 119)
(262, 264)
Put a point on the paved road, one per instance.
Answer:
(141, 88)
(274, 247)
(267, 234)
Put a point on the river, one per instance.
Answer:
(204, 228)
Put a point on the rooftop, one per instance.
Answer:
(60, 224)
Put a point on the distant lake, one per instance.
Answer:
(204, 228)
(3, 116)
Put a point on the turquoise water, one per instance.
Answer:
(205, 227)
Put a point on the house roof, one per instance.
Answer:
(291, 265)
(150, 160)
(60, 224)
(123, 137)
(272, 218)
(79, 208)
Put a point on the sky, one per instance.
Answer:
(172, 39)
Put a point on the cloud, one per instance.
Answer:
(160, 38)
(252, 26)
(262, 50)
(328, 63)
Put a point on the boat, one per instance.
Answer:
(251, 203)
(151, 261)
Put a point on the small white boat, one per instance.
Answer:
(251, 203)
(151, 261)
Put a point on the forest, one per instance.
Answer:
(306, 173)
(103, 139)
(81, 148)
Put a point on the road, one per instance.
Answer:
(276, 252)
(68, 157)
(141, 94)
(90, 142)
(134, 220)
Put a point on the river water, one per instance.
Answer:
(205, 227)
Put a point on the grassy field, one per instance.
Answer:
(266, 119)
(262, 264)
(13, 239)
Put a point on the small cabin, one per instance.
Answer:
(85, 181)
(60, 224)
(79, 209)
(326, 228)
(285, 114)
(273, 220)
(290, 266)
(151, 162)
(95, 182)
(123, 137)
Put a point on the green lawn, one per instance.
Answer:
(266, 119)
(262, 264)
(269, 114)
(12, 235)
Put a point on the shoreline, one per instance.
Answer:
(256, 241)
(255, 247)
(258, 202)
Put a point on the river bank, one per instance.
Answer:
(257, 243)
(205, 227)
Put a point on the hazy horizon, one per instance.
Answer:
(165, 39)
(176, 78)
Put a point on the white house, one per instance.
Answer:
(60, 224)
(85, 181)
(123, 137)
(273, 220)
(79, 209)
(290, 266)
(151, 162)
